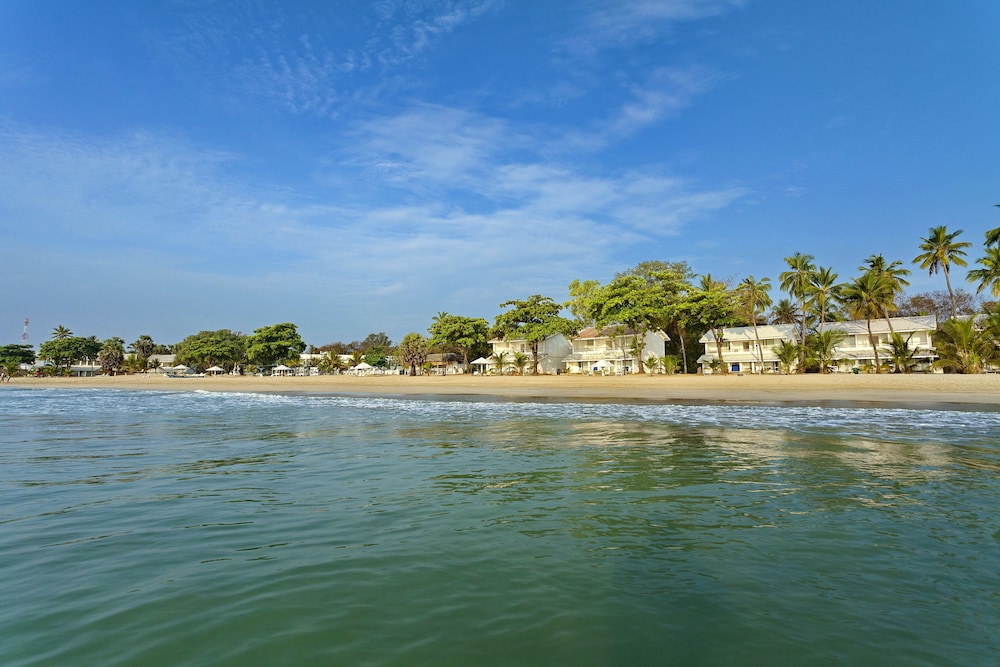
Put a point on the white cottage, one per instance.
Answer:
(551, 352)
(609, 351)
(741, 354)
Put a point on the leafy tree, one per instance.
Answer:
(634, 303)
(865, 298)
(222, 347)
(532, 320)
(413, 352)
(376, 340)
(669, 363)
(274, 344)
(989, 275)
(755, 297)
(715, 307)
(581, 294)
(672, 280)
(937, 303)
(17, 354)
(63, 352)
(377, 357)
(112, 355)
(941, 250)
(467, 335)
(797, 282)
(993, 235)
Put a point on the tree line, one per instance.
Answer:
(651, 296)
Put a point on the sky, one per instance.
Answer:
(360, 166)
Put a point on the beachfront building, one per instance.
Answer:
(741, 354)
(445, 363)
(611, 351)
(551, 352)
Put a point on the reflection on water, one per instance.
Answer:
(164, 528)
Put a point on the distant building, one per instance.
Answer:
(741, 355)
(610, 351)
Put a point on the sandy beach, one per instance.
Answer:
(924, 391)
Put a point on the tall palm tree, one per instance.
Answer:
(989, 275)
(893, 273)
(796, 282)
(865, 298)
(784, 312)
(756, 297)
(61, 333)
(823, 289)
(940, 251)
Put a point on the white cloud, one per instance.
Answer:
(614, 22)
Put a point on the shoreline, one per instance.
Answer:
(953, 392)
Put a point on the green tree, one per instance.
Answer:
(797, 282)
(941, 250)
(965, 348)
(784, 312)
(331, 362)
(532, 320)
(634, 302)
(823, 346)
(894, 276)
(143, 347)
(581, 293)
(520, 362)
(993, 235)
(17, 354)
(112, 355)
(502, 360)
(222, 347)
(788, 355)
(458, 333)
(413, 352)
(823, 288)
(902, 357)
(273, 344)
(865, 298)
(61, 333)
(715, 307)
(755, 297)
(988, 276)
(669, 363)
(63, 352)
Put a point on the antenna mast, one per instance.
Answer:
(24, 334)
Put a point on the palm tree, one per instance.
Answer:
(788, 354)
(964, 348)
(756, 297)
(823, 289)
(785, 312)
(61, 333)
(796, 282)
(652, 363)
(940, 251)
(989, 275)
(669, 364)
(501, 360)
(993, 235)
(865, 298)
(520, 362)
(902, 357)
(893, 273)
(823, 345)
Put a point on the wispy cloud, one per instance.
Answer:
(613, 22)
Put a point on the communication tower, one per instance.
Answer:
(24, 334)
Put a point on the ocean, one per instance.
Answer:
(197, 528)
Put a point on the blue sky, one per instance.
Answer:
(356, 167)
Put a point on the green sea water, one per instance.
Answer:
(188, 528)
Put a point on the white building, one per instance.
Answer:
(610, 351)
(551, 352)
(741, 354)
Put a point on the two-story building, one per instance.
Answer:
(611, 350)
(551, 352)
(742, 355)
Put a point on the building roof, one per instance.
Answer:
(903, 325)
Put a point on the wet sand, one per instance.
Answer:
(920, 391)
